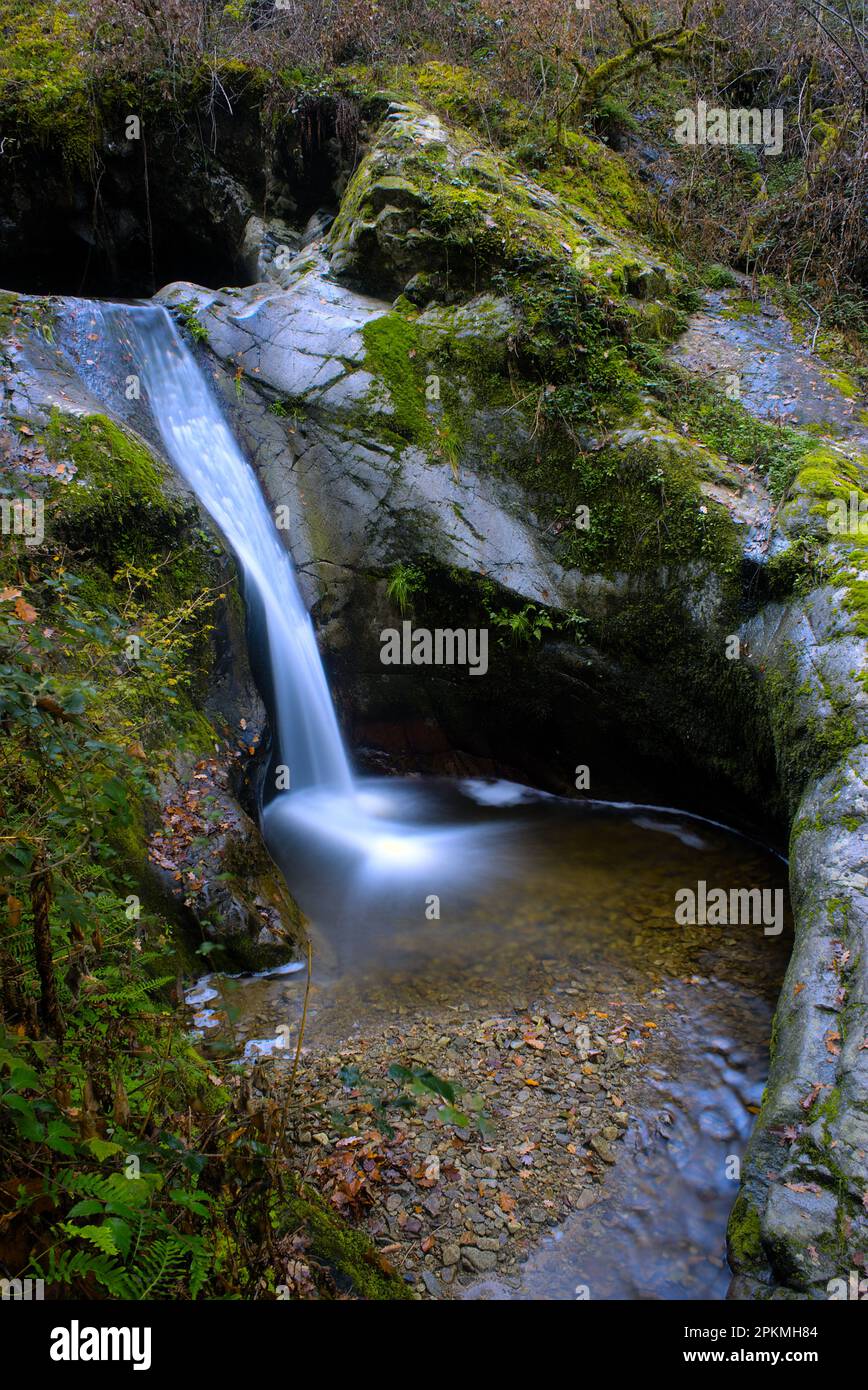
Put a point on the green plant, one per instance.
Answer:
(188, 313)
(404, 581)
(425, 1084)
(525, 624)
(718, 277)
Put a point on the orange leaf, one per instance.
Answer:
(25, 611)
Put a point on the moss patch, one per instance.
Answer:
(354, 1260)
(744, 1235)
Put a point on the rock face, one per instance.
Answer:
(453, 396)
(430, 213)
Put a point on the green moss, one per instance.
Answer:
(718, 277)
(856, 604)
(842, 381)
(392, 345)
(599, 183)
(43, 83)
(580, 171)
(646, 509)
(106, 459)
(828, 474)
(807, 747)
(744, 1235)
(351, 1255)
(728, 428)
(740, 308)
(458, 93)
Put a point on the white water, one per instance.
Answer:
(323, 817)
(382, 835)
(202, 448)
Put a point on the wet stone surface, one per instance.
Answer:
(779, 377)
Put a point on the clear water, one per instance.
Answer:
(570, 905)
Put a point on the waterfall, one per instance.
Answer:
(201, 447)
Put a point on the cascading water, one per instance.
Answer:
(475, 885)
(202, 448)
(324, 819)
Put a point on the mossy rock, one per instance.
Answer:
(435, 200)
(356, 1265)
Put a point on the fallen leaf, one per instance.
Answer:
(25, 611)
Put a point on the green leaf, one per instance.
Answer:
(59, 1136)
(436, 1084)
(101, 1148)
(450, 1116)
(197, 1202)
(89, 1206)
(25, 1118)
(399, 1073)
(100, 1236)
(122, 1233)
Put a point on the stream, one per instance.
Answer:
(560, 911)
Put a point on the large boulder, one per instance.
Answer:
(431, 211)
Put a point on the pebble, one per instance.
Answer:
(479, 1260)
(601, 1149)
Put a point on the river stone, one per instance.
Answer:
(478, 1260)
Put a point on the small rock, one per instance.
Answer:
(479, 1260)
(602, 1149)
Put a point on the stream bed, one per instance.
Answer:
(524, 948)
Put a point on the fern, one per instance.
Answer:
(139, 1253)
(69, 1267)
(100, 1236)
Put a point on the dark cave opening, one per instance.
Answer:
(61, 258)
(140, 215)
